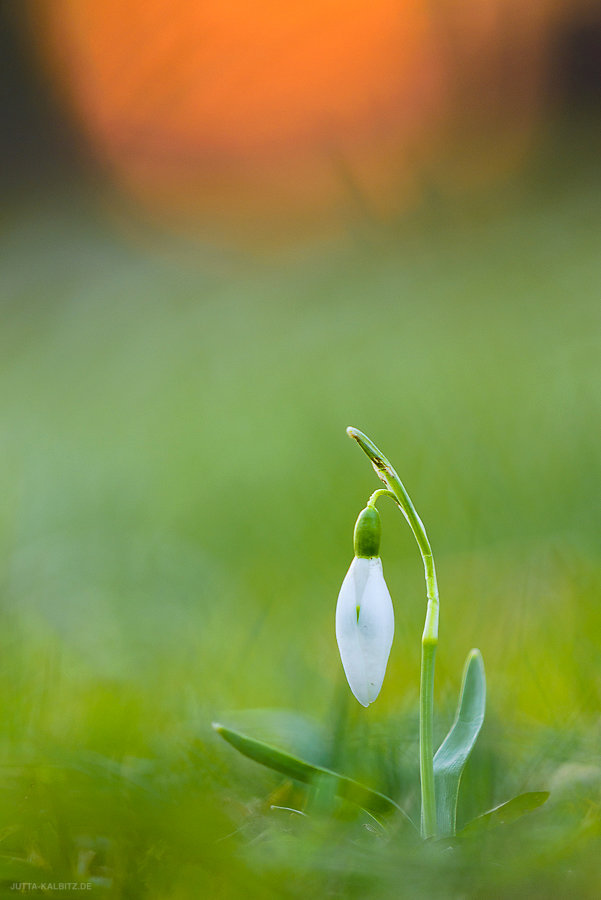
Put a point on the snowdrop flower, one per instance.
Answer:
(364, 614)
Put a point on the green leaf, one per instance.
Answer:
(454, 751)
(508, 812)
(300, 770)
(293, 732)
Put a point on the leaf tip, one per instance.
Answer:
(475, 657)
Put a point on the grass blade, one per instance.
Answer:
(300, 770)
(509, 811)
(454, 751)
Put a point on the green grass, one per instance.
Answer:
(178, 504)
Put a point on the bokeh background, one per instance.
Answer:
(229, 230)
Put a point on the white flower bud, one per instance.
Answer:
(364, 627)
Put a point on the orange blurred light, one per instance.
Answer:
(202, 102)
(296, 112)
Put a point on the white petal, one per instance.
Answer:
(364, 640)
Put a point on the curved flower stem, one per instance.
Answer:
(394, 485)
(381, 492)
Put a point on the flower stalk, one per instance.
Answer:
(394, 486)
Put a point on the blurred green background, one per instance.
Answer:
(178, 503)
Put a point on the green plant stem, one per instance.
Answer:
(386, 473)
(426, 746)
(381, 492)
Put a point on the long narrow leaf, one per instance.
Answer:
(454, 751)
(300, 770)
(508, 812)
